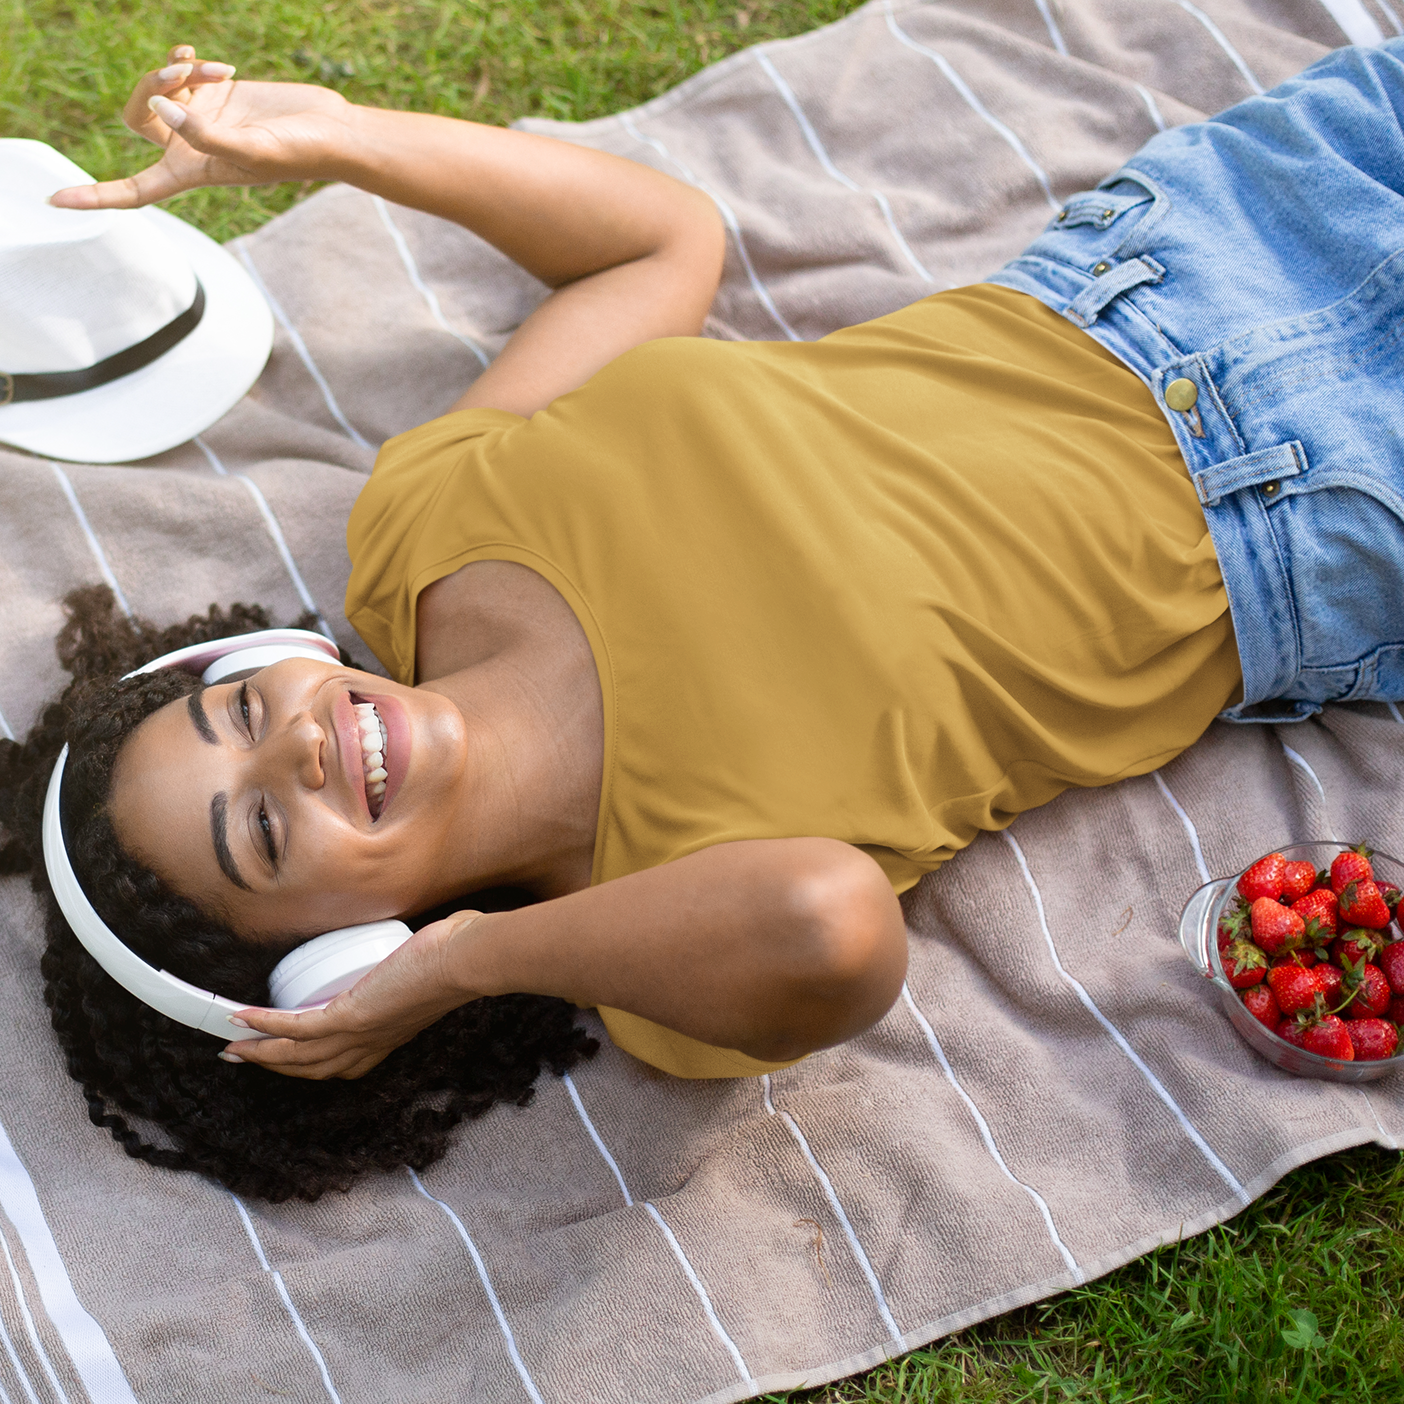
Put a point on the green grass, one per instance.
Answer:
(66, 68)
(1204, 1321)
(1211, 1319)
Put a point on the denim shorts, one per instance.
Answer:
(1250, 269)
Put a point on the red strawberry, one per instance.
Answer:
(1305, 958)
(1244, 964)
(1355, 947)
(1351, 866)
(1294, 988)
(1264, 878)
(1330, 1038)
(1318, 906)
(1395, 1012)
(1373, 1038)
(1275, 928)
(1233, 924)
(1391, 961)
(1331, 980)
(1297, 880)
(1391, 895)
(1293, 1032)
(1372, 993)
(1260, 1003)
(1362, 905)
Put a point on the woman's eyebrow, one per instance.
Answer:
(200, 717)
(219, 830)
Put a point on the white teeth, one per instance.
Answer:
(373, 745)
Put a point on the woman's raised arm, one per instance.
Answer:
(775, 947)
(630, 253)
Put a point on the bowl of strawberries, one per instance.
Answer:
(1306, 948)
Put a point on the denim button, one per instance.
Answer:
(1181, 394)
(1099, 268)
(1270, 489)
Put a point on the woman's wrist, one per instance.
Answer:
(468, 958)
(342, 158)
(377, 147)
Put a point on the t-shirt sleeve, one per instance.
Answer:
(392, 536)
(901, 871)
(677, 1053)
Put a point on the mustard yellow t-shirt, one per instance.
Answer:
(893, 587)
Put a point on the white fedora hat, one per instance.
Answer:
(122, 332)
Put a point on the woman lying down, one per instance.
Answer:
(714, 648)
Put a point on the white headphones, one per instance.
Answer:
(309, 975)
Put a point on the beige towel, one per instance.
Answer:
(1044, 1104)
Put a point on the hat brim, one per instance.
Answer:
(179, 394)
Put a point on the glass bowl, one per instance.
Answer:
(1199, 923)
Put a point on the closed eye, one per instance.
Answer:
(267, 829)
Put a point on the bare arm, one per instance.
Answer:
(630, 253)
(776, 947)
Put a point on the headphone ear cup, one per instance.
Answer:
(322, 968)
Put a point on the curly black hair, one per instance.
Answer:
(256, 1132)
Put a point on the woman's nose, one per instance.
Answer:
(300, 748)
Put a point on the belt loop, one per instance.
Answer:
(1265, 469)
(1111, 281)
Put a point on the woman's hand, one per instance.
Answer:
(218, 132)
(404, 994)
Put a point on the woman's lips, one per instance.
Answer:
(397, 744)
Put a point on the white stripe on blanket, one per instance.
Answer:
(84, 1340)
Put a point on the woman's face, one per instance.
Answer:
(251, 798)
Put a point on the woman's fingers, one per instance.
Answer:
(303, 1025)
(182, 168)
(176, 81)
(339, 1055)
(318, 1067)
(288, 1054)
(154, 183)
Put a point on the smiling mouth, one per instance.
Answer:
(374, 739)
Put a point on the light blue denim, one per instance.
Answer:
(1260, 255)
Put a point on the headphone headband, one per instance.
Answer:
(167, 993)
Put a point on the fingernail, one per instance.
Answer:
(171, 113)
(237, 1022)
(229, 1057)
(217, 70)
(176, 70)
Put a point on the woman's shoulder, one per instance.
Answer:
(391, 529)
(432, 447)
(412, 469)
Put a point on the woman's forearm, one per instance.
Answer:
(561, 211)
(774, 947)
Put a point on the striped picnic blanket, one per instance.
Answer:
(1047, 1100)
